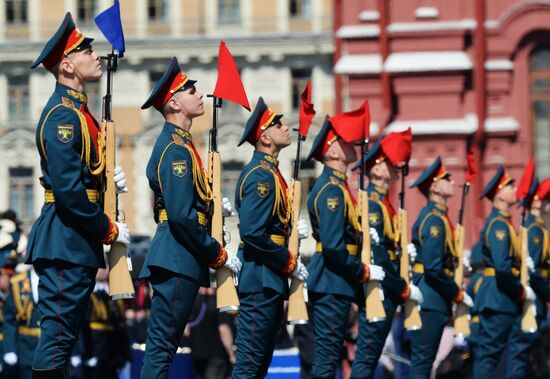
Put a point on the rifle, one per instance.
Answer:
(528, 319)
(120, 280)
(373, 303)
(412, 313)
(461, 321)
(297, 309)
(227, 299)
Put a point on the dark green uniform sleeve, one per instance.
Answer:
(500, 245)
(433, 251)
(62, 138)
(10, 326)
(330, 208)
(255, 213)
(539, 284)
(178, 190)
(393, 282)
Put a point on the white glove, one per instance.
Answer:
(233, 262)
(376, 273)
(412, 252)
(227, 208)
(416, 295)
(92, 362)
(300, 272)
(374, 237)
(303, 229)
(467, 300)
(530, 294)
(120, 180)
(10, 358)
(530, 264)
(123, 234)
(466, 264)
(76, 360)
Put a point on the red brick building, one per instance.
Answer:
(439, 66)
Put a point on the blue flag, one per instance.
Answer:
(111, 26)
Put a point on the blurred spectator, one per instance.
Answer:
(106, 347)
(211, 338)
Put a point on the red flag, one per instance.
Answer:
(543, 191)
(472, 170)
(353, 125)
(397, 146)
(229, 85)
(306, 110)
(526, 180)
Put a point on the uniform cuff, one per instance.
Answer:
(523, 295)
(406, 293)
(290, 265)
(366, 274)
(220, 259)
(459, 296)
(112, 233)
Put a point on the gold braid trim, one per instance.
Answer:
(389, 224)
(96, 168)
(449, 240)
(350, 209)
(200, 179)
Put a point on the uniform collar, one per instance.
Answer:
(501, 213)
(381, 191)
(440, 207)
(336, 174)
(272, 161)
(74, 95)
(179, 131)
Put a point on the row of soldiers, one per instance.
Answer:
(65, 244)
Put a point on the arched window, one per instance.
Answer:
(540, 108)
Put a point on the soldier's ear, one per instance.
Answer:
(65, 66)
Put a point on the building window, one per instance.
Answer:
(18, 95)
(157, 9)
(86, 10)
(21, 193)
(540, 109)
(299, 8)
(231, 170)
(16, 11)
(300, 76)
(229, 11)
(95, 98)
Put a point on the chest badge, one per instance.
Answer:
(262, 189)
(65, 133)
(179, 168)
(333, 203)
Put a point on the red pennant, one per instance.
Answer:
(397, 146)
(229, 85)
(306, 110)
(472, 170)
(526, 180)
(353, 125)
(544, 189)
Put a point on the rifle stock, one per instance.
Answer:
(373, 303)
(411, 309)
(120, 280)
(226, 294)
(528, 319)
(461, 321)
(297, 309)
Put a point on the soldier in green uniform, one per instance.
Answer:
(433, 236)
(261, 201)
(336, 269)
(21, 323)
(181, 250)
(501, 295)
(538, 203)
(381, 168)
(66, 241)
